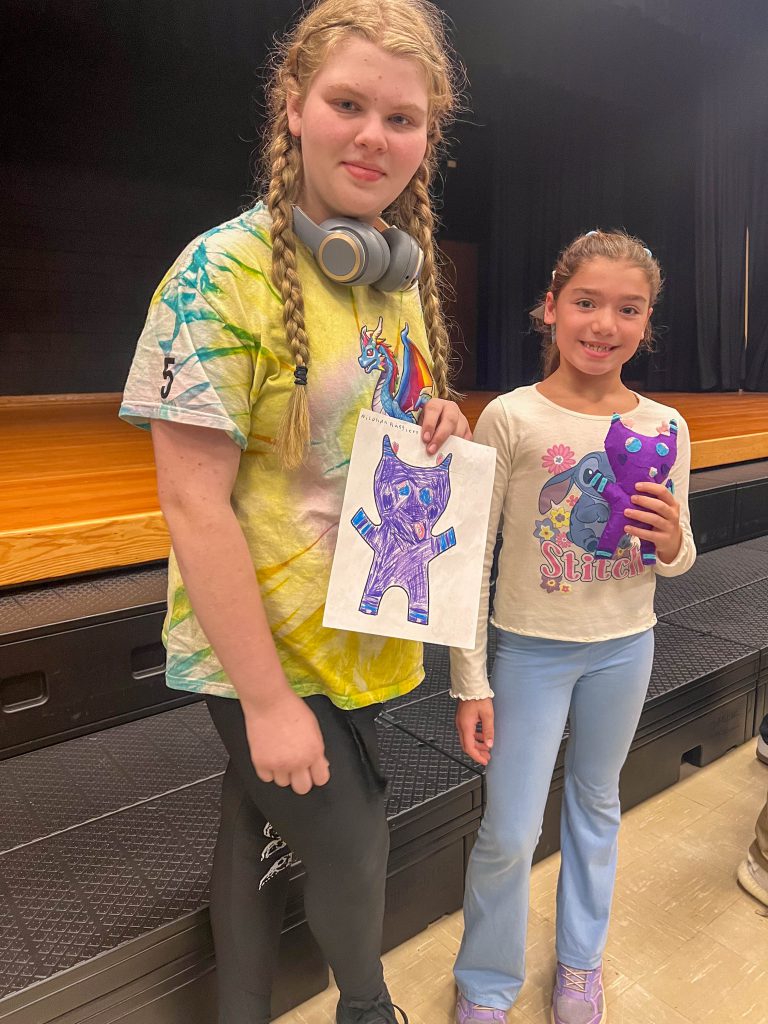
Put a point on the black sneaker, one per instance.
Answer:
(379, 1011)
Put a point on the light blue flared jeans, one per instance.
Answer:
(539, 684)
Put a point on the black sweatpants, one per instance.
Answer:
(338, 831)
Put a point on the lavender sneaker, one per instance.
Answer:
(471, 1013)
(578, 997)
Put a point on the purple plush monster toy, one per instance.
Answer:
(633, 458)
(409, 499)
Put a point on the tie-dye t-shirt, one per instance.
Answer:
(213, 353)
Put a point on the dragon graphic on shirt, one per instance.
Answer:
(402, 389)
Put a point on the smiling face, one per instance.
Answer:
(600, 315)
(363, 130)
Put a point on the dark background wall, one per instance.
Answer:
(131, 125)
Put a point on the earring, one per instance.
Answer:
(553, 333)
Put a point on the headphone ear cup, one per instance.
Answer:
(351, 252)
(405, 261)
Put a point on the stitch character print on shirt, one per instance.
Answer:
(409, 500)
(574, 516)
(402, 390)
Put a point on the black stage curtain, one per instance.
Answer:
(756, 356)
(558, 169)
(562, 164)
(686, 176)
(731, 197)
(721, 223)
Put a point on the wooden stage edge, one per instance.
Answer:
(79, 492)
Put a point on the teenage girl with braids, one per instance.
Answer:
(252, 369)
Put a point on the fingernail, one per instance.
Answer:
(489, 744)
(427, 436)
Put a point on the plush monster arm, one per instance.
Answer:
(612, 493)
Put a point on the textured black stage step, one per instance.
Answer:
(105, 876)
(722, 476)
(729, 504)
(81, 655)
(72, 604)
(740, 616)
(64, 785)
(700, 704)
(713, 573)
(761, 543)
(104, 839)
(431, 721)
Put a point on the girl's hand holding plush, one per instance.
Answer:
(657, 512)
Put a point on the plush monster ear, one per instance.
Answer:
(386, 446)
(615, 417)
(673, 426)
(445, 463)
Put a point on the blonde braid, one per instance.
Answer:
(415, 210)
(293, 433)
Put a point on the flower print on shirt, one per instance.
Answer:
(558, 458)
(560, 518)
(544, 530)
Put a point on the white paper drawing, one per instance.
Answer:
(411, 541)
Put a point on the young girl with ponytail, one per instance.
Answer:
(263, 342)
(574, 609)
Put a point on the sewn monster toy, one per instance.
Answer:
(409, 499)
(633, 458)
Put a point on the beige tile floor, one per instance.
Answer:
(686, 945)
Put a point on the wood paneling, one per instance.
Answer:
(78, 489)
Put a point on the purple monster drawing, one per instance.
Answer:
(409, 500)
(633, 458)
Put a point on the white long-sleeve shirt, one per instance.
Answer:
(549, 584)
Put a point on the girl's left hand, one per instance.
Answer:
(657, 509)
(441, 419)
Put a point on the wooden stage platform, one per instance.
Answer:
(78, 486)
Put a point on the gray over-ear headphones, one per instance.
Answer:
(351, 252)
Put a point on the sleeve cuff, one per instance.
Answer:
(682, 561)
(480, 693)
